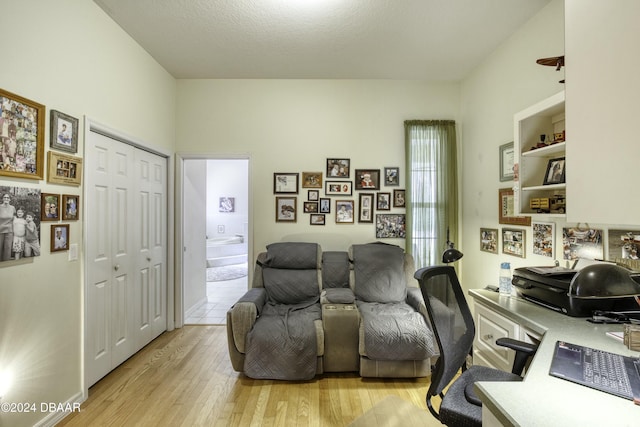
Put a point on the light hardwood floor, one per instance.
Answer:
(185, 378)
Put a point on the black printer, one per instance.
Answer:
(552, 287)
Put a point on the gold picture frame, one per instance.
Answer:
(64, 169)
(24, 137)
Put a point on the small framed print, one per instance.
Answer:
(506, 209)
(391, 177)
(399, 200)
(543, 238)
(338, 188)
(285, 183)
(506, 161)
(391, 226)
(310, 207)
(316, 219)
(338, 168)
(49, 207)
(367, 179)
(513, 242)
(325, 205)
(64, 169)
(59, 237)
(344, 211)
(70, 207)
(63, 132)
(365, 204)
(313, 195)
(227, 204)
(555, 172)
(383, 201)
(489, 240)
(286, 209)
(311, 179)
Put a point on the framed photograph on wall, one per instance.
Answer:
(391, 177)
(555, 172)
(338, 168)
(624, 244)
(311, 179)
(325, 205)
(227, 204)
(513, 242)
(338, 188)
(365, 205)
(64, 169)
(316, 219)
(70, 207)
(310, 207)
(507, 156)
(367, 179)
(391, 226)
(63, 132)
(20, 206)
(399, 200)
(59, 237)
(489, 240)
(285, 183)
(582, 243)
(49, 207)
(344, 211)
(313, 195)
(383, 201)
(543, 238)
(286, 209)
(21, 137)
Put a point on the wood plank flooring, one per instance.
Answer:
(185, 378)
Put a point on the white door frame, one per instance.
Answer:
(179, 220)
(91, 125)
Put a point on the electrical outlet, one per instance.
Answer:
(221, 229)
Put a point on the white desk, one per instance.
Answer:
(543, 400)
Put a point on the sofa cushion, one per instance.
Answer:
(379, 272)
(291, 286)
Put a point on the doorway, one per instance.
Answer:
(216, 237)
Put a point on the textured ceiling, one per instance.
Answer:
(437, 40)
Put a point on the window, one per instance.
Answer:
(432, 195)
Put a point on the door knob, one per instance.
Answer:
(116, 267)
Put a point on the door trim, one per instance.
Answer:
(179, 206)
(92, 125)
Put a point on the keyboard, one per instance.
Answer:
(606, 371)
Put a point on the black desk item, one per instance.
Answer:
(609, 372)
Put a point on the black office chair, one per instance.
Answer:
(454, 330)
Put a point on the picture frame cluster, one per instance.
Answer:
(339, 181)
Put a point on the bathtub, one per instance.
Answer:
(226, 250)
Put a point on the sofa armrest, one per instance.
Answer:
(415, 300)
(244, 314)
(337, 296)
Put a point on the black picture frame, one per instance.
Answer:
(285, 183)
(338, 168)
(555, 173)
(392, 177)
(365, 207)
(367, 179)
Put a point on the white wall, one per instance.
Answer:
(70, 56)
(227, 178)
(295, 125)
(506, 83)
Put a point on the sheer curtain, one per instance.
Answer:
(432, 188)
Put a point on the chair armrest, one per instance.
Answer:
(337, 296)
(524, 351)
(244, 314)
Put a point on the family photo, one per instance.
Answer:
(19, 223)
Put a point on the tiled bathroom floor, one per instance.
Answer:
(221, 296)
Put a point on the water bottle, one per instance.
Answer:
(505, 279)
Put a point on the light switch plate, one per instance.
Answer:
(73, 252)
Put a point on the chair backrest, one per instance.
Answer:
(451, 320)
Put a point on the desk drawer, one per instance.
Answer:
(489, 327)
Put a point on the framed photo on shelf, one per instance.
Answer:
(285, 183)
(64, 132)
(391, 226)
(338, 168)
(22, 137)
(316, 219)
(507, 159)
(49, 207)
(555, 172)
(367, 179)
(70, 207)
(344, 211)
(338, 188)
(506, 209)
(383, 201)
(286, 209)
(513, 242)
(489, 240)
(399, 200)
(391, 177)
(365, 205)
(325, 205)
(64, 169)
(59, 237)
(310, 207)
(311, 179)
(544, 238)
